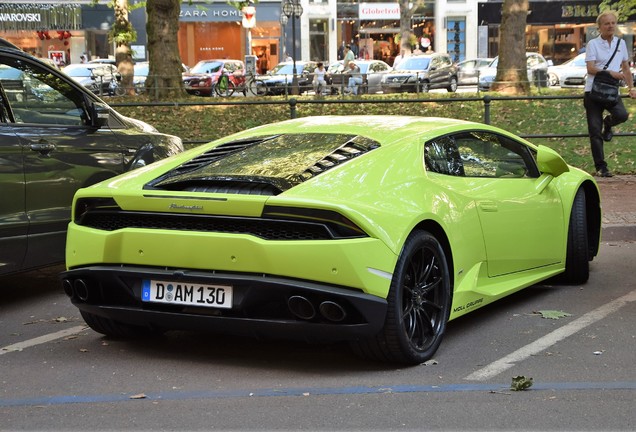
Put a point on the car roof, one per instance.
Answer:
(381, 128)
(6, 44)
(220, 60)
(88, 65)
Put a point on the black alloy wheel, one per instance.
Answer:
(419, 304)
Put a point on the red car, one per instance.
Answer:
(200, 80)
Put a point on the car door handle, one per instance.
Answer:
(44, 147)
(487, 206)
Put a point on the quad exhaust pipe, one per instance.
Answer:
(304, 309)
(77, 288)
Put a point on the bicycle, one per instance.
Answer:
(227, 84)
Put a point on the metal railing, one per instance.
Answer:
(295, 104)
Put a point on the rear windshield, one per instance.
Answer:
(293, 158)
(283, 156)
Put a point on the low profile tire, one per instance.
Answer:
(260, 89)
(452, 85)
(116, 329)
(577, 261)
(419, 303)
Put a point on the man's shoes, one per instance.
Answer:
(607, 134)
(604, 173)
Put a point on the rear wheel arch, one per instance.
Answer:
(438, 232)
(593, 212)
(418, 302)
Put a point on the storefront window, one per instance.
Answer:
(374, 28)
(456, 38)
(318, 40)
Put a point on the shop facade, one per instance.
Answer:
(558, 30)
(437, 25)
(214, 31)
(61, 31)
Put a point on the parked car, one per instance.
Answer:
(110, 61)
(56, 137)
(372, 72)
(537, 71)
(279, 80)
(96, 77)
(200, 80)
(141, 71)
(370, 229)
(420, 73)
(572, 73)
(468, 71)
(559, 52)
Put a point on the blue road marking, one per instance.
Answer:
(312, 391)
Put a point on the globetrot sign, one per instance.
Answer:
(379, 11)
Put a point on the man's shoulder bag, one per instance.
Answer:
(605, 86)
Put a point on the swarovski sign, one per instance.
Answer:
(40, 16)
(20, 17)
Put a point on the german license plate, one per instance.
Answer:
(187, 294)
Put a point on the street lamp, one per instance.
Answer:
(292, 9)
(283, 23)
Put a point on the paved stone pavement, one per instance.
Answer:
(618, 200)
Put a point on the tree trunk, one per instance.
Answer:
(164, 79)
(405, 28)
(123, 54)
(512, 72)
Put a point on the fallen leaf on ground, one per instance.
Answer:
(520, 383)
(553, 314)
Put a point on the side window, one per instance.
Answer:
(485, 154)
(38, 96)
(441, 156)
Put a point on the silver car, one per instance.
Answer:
(536, 64)
(572, 73)
(372, 72)
(469, 70)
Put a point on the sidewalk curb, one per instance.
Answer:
(614, 233)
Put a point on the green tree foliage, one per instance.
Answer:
(625, 8)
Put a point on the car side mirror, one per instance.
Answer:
(99, 113)
(550, 162)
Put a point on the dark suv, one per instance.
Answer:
(420, 73)
(56, 137)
